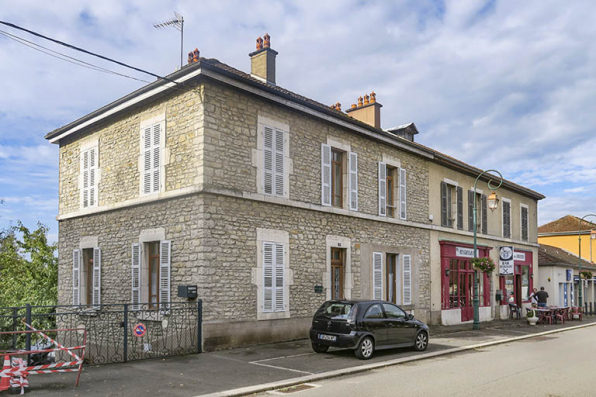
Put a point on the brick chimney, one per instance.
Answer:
(367, 110)
(262, 61)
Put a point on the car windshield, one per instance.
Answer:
(336, 310)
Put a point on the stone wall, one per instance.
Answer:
(119, 150)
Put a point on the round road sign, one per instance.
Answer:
(140, 330)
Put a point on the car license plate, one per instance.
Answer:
(327, 337)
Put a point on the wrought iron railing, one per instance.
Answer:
(116, 333)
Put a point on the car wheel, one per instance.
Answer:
(421, 342)
(319, 348)
(365, 348)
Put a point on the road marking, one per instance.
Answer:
(282, 368)
(279, 358)
(281, 393)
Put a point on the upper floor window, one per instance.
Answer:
(339, 178)
(524, 228)
(480, 200)
(274, 141)
(89, 175)
(392, 191)
(152, 155)
(506, 209)
(452, 205)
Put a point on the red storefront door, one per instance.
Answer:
(467, 310)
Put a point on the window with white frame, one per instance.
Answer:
(392, 191)
(392, 278)
(151, 274)
(89, 176)
(271, 158)
(152, 162)
(86, 276)
(339, 177)
(525, 222)
(452, 206)
(506, 212)
(273, 277)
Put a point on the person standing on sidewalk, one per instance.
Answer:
(542, 297)
(534, 298)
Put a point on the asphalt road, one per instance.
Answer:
(556, 365)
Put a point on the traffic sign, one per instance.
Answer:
(140, 330)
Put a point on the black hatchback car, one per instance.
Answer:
(366, 326)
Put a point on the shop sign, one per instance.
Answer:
(519, 256)
(465, 252)
(506, 260)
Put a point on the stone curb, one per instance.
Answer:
(368, 367)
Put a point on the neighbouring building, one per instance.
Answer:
(271, 203)
(559, 275)
(565, 233)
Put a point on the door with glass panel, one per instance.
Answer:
(393, 290)
(337, 273)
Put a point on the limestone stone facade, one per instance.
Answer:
(211, 207)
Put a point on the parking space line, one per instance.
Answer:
(282, 368)
(281, 357)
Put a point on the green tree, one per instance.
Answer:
(28, 267)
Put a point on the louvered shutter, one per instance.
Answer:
(506, 219)
(268, 277)
(407, 279)
(136, 276)
(402, 193)
(268, 160)
(164, 272)
(484, 214)
(524, 223)
(156, 157)
(444, 220)
(279, 278)
(377, 275)
(147, 157)
(76, 277)
(382, 189)
(353, 182)
(279, 163)
(92, 172)
(460, 208)
(96, 296)
(85, 171)
(325, 175)
(470, 210)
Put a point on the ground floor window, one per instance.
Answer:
(86, 275)
(150, 273)
(518, 286)
(392, 277)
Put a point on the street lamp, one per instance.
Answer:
(493, 203)
(579, 258)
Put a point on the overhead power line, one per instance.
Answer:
(87, 52)
(64, 57)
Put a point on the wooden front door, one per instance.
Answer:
(467, 277)
(337, 273)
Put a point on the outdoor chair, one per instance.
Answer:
(576, 311)
(513, 308)
(546, 316)
(560, 316)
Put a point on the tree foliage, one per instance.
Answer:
(28, 267)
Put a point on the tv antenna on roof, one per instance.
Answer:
(177, 23)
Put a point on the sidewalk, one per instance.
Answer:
(243, 367)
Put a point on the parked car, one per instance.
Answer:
(366, 326)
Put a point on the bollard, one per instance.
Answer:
(591, 308)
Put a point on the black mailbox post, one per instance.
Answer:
(187, 291)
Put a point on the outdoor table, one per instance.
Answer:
(544, 313)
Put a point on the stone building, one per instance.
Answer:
(268, 201)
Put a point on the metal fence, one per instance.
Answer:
(116, 332)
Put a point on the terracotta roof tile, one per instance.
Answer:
(549, 255)
(568, 223)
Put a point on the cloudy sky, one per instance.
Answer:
(499, 84)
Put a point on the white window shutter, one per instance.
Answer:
(353, 181)
(147, 160)
(136, 276)
(85, 177)
(377, 275)
(279, 163)
(382, 189)
(326, 175)
(267, 277)
(164, 272)
(96, 296)
(407, 279)
(268, 160)
(76, 277)
(279, 278)
(156, 157)
(402, 193)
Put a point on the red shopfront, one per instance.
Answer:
(457, 278)
(518, 286)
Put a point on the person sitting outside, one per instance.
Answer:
(542, 297)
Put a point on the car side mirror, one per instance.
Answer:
(410, 316)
